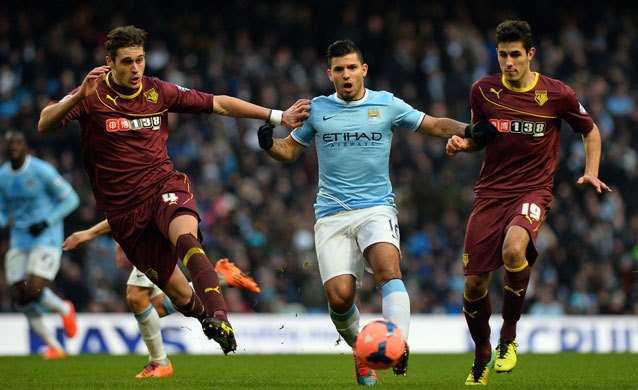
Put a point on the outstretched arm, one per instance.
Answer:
(593, 144)
(81, 237)
(237, 108)
(441, 127)
(52, 115)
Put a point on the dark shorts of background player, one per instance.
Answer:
(488, 223)
(143, 231)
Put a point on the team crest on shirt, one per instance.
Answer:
(466, 259)
(541, 97)
(374, 115)
(151, 95)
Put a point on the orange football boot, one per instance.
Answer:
(53, 354)
(70, 325)
(156, 370)
(236, 277)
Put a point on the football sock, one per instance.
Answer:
(34, 317)
(52, 302)
(515, 287)
(395, 304)
(347, 324)
(168, 306)
(203, 274)
(193, 308)
(477, 315)
(149, 323)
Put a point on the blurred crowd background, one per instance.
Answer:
(259, 212)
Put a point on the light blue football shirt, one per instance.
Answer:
(34, 193)
(353, 141)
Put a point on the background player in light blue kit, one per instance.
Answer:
(34, 199)
(357, 226)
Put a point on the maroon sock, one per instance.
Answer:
(477, 315)
(515, 287)
(194, 308)
(203, 275)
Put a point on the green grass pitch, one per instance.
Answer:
(436, 371)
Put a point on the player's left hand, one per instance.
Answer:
(37, 228)
(264, 135)
(595, 182)
(294, 116)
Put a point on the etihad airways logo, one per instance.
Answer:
(125, 124)
(354, 138)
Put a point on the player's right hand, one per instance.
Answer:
(264, 134)
(89, 84)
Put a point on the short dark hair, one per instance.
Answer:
(128, 36)
(514, 31)
(341, 48)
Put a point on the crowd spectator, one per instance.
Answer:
(259, 213)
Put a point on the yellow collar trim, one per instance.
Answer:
(529, 88)
(129, 97)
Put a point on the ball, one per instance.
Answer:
(379, 344)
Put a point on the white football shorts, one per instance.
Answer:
(341, 239)
(138, 279)
(39, 261)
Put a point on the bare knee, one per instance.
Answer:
(138, 298)
(515, 247)
(385, 260)
(340, 292)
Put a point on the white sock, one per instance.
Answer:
(347, 324)
(149, 323)
(395, 304)
(34, 317)
(53, 302)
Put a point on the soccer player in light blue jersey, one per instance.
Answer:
(34, 199)
(357, 226)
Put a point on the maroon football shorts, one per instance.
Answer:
(142, 232)
(489, 221)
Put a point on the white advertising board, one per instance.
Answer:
(303, 333)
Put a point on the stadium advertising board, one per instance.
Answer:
(300, 333)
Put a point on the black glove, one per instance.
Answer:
(264, 134)
(37, 228)
(481, 132)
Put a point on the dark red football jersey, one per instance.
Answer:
(124, 137)
(523, 156)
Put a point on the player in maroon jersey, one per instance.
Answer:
(514, 189)
(149, 205)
